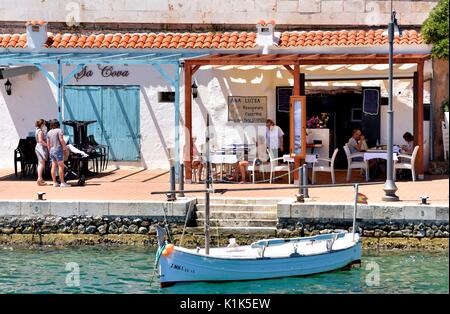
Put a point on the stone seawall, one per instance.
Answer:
(89, 230)
(131, 223)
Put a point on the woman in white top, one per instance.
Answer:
(274, 137)
(41, 149)
(409, 147)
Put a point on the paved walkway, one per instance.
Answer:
(136, 185)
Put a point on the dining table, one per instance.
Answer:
(376, 154)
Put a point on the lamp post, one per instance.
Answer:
(389, 186)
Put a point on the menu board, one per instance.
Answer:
(298, 123)
(283, 98)
(247, 109)
(371, 101)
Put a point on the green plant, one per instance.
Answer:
(444, 106)
(435, 30)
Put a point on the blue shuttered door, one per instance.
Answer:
(83, 103)
(121, 116)
(116, 109)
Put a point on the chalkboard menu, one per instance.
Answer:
(371, 101)
(283, 98)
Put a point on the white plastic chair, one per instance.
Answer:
(329, 167)
(274, 167)
(445, 139)
(406, 161)
(364, 165)
(253, 167)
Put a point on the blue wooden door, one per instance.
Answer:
(116, 110)
(84, 103)
(121, 116)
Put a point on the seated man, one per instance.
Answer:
(357, 143)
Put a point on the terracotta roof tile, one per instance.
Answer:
(215, 40)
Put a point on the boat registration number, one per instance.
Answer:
(181, 268)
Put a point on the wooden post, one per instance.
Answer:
(188, 119)
(420, 139)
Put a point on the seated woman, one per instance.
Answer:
(240, 168)
(197, 161)
(409, 147)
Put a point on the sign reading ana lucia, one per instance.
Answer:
(247, 109)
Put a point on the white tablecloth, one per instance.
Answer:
(223, 159)
(381, 155)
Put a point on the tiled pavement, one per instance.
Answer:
(136, 184)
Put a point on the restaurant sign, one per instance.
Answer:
(105, 71)
(247, 109)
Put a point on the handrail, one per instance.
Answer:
(292, 187)
(320, 237)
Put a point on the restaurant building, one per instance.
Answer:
(150, 90)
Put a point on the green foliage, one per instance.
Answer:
(435, 30)
(444, 105)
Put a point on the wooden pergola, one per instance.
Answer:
(292, 63)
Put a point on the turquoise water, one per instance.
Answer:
(129, 270)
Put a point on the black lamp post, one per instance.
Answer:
(8, 87)
(389, 186)
(194, 90)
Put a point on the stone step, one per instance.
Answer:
(271, 231)
(239, 215)
(238, 208)
(241, 200)
(239, 222)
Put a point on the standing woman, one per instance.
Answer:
(41, 149)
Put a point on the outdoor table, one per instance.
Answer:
(220, 158)
(378, 154)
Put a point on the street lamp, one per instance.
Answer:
(389, 186)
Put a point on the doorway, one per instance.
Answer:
(344, 110)
(116, 110)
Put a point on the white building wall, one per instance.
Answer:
(35, 98)
(297, 12)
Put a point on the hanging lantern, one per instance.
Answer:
(194, 90)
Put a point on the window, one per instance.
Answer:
(356, 114)
(166, 96)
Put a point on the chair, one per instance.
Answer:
(445, 139)
(101, 152)
(257, 165)
(406, 161)
(364, 165)
(274, 167)
(25, 155)
(329, 167)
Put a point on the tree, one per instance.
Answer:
(435, 30)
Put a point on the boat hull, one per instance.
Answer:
(182, 266)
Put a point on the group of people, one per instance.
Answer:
(50, 145)
(357, 143)
(274, 142)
